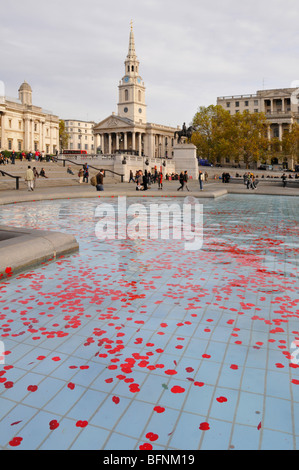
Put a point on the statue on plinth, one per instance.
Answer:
(184, 133)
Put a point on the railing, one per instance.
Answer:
(17, 178)
(90, 166)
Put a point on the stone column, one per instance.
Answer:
(125, 140)
(280, 131)
(117, 140)
(109, 143)
(133, 141)
(51, 139)
(2, 132)
(139, 144)
(32, 136)
(26, 134)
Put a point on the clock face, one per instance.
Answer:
(139, 80)
(126, 79)
(125, 110)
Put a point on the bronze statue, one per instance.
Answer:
(184, 133)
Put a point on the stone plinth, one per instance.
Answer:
(184, 156)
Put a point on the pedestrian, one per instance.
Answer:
(145, 181)
(186, 177)
(249, 180)
(182, 181)
(253, 183)
(160, 180)
(85, 173)
(284, 180)
(69, 170)
(131, 177)
(100, 180)
(13, 157)
(36, 175)
(139, 181)
(29, 177)
(80, 174)
(201, 179)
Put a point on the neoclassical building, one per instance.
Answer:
(80, 135)
(26, 127)
(281, 107)
(128, 131)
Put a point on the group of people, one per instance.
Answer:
(37, 156)
(225, 177)
(144, 179)
(31, 176)
(83, 173)
(250, 180)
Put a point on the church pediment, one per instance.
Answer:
(113, 122)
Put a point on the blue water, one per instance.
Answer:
(133, 344)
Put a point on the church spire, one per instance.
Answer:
(131, 103)
(131, 52)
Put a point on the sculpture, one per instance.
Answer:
(184, 133)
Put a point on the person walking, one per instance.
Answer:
(182, 181)
(186, 177)
(29, 177)
(160, 180)
(131, 177)
(80, 174)
(201, 179)
(100, 180)
(85, 173)
(284, 180)
(36, 175)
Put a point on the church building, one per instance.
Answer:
(128, 131)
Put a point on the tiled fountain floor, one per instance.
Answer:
(142, 345)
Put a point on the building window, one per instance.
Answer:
(237, 104)
(246, 103)
(228, 104)
(20, 125)
(256, 110)
(9, 123)
(256, 102)
(139, 95)
(126, 95)
(9, 144)
(19, 145)
(79, 146)
(35, 127)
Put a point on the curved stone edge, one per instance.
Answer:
(26, 248)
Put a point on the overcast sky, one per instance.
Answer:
(72, 52)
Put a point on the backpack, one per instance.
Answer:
(93, 181)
